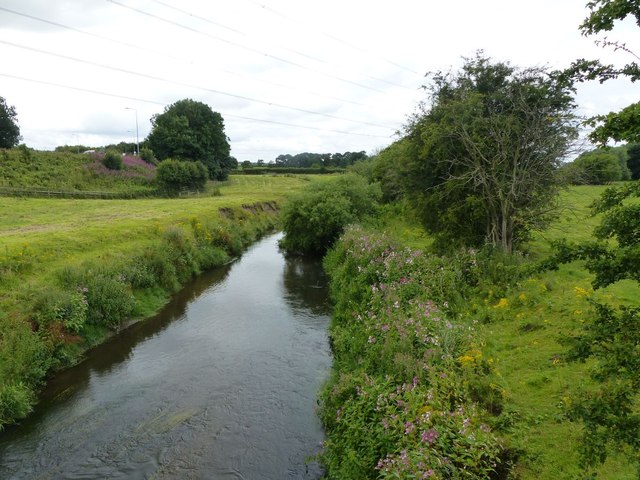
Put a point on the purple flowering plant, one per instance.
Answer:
(398, 406)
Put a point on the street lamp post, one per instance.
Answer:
(137, 141)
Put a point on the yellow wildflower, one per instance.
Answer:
(502, 303)
(581, 292)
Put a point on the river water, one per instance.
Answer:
(221, 384)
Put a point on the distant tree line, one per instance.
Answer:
(307, 160)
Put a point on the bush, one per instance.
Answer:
(148, 156)
(315, 219)
(595, 168)
(67, 308)
(15, 402)
(174, 176)
(112, 160)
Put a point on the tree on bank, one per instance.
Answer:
(9, 129)
(191, 130)
(481, 158)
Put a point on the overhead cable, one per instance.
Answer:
(188, 85)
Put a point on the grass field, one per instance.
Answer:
(51, 231)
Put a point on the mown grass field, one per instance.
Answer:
(44, 233)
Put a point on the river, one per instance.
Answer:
(221, 384)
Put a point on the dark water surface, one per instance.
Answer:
(220, 385)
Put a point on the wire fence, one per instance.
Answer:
(48, 193)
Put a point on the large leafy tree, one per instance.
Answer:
(191, 130)
(481, 157)
(625, 124)
(9, 130)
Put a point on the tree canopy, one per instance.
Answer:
(625, 124)
(9, 129)
(480, 159)
(191, 130)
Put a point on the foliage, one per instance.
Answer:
(189, 130)
(9, 129)
(633, 160)
(308, 160)
(625, 124)
(314, 219)
(397, 405)
(610, 413)
(481, 159)
(147, 155)
(595, 168)
(174, 176)
(386, 171)
(112, 160)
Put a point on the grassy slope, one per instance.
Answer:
(45, 234)
(522, 337)
(72, 172)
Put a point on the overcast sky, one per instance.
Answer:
(287, 76)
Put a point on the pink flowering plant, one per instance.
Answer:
(397, 405)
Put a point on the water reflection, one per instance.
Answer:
(306, 285)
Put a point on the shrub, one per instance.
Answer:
(399, 403)
(148, 156)
(16, 401)
(174, 176)
(112, 160)
(595, 168)
(109, 300)
(315, 219)
(66, 307)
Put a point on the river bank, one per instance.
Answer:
(74, 271)
(221, 383)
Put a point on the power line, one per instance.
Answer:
(332, 37)
(244, 47)
(183, 84)
(296, 52)
(164, 104)
(173, 57)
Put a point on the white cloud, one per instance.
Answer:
(360, 60)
